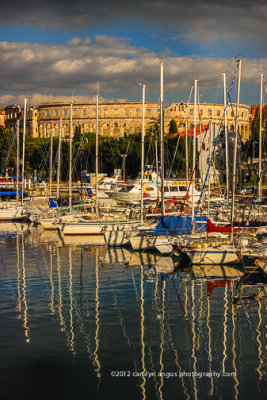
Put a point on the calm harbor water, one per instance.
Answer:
(80, 321)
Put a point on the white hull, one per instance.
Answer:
(117, 238)
(210, 256)
(142, 242)
(162, 243)
(13, 214)
(49, 224)
(93, 228)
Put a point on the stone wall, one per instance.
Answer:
(119, 117)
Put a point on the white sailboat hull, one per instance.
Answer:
(211, 256)
(13, 214)
(93, 228)
(117, 238)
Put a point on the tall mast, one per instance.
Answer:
(235, 150)
(260, 133)
(194, 151)
(162, 140)
(96, 154)
(17, 164)
(59, 157)
(226, 138)
(142, 151)
(23, 148)
(70, 165)
(186, 153)
(51, 163)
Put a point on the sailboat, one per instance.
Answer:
(221, 254)
(15, 213)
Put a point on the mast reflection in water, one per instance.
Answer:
(85, 321)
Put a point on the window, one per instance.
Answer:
(232, 114)
(218, 113)
(56, 113)
(209, 112)
(65, 112)
(201, 111)
(148, 110)
(84, 111)
(126, 111)
(75, 111)
(191, 111)
(40, 112)
(47, 113)
(137, 110)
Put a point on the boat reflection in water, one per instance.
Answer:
(109, 323)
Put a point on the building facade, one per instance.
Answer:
(121, 117)
(207, 113)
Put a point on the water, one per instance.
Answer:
(80, 321)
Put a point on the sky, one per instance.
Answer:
(54, 50)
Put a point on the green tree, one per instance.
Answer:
(173, 126)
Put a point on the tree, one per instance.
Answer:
(173, 126)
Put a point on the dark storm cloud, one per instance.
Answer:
(208, 20)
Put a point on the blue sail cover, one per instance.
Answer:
(10, 193)
(180, 225)
(52, 203)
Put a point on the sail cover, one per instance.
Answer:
(171, 225)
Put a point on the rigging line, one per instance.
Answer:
(191, 179)
(176, 149)
(213, 152)
(175, 152)
(8, 150)
(148, 150)
(38, 173)
(253, 200)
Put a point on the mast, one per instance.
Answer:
(96, 154)
(17, 164)
(23, 148)
(157, 165)
(162, 140)
(226, 138)
(194, 152)
(51, 163)
(59, 157)
(235, 150)
(142, 151)
(211, 131)
(260, 133)
(70, 165)
(186, 154)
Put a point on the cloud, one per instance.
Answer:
(48, 70)
(200, 21)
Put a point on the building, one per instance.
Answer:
(207, 113)
(2, 118)
(115, 118)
